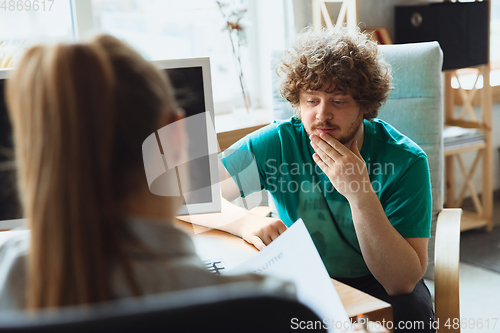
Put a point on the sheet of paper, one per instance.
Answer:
(293, 257)
(211, 249)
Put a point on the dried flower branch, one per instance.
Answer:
(233, 16)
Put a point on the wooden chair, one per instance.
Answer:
(446, 270)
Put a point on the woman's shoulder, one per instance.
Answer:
(13, 244)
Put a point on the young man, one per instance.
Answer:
(362, 188)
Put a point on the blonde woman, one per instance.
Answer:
(80, 114)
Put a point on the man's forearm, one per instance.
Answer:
(256, 230)
(390, 258)
(231, 218)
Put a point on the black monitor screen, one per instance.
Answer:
(189, 92)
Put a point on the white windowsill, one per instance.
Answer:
(239, 118)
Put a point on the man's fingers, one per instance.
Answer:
(282, 228)
(326, 149)
(324, 156)
(322, 165)
(257, 242)
(340, 148)
(263, 232)
(266, 235)
(273, 232)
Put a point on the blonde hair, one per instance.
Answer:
(80, 113)
(340, 58)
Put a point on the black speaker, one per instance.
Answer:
(461, 28)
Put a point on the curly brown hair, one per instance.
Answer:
(344, 59)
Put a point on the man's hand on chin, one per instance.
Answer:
(345, 167)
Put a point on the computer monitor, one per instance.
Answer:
(199, 178)
(191, 79)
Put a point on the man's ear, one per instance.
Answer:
(297, 112)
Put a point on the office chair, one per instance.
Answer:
(236, 307)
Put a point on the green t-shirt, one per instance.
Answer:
(284, 166)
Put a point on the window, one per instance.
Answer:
(172, 29)
(165, 29)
